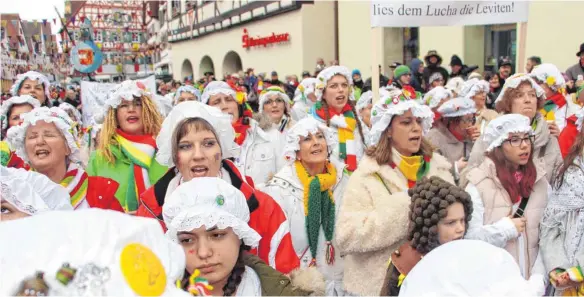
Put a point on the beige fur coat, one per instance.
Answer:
(373, 222)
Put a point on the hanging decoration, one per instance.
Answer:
(73, 20)
(86, 56)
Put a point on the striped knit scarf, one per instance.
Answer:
(140, 149)
(319, 208)
(345, 123)
(9, 158)
(551, 105)
(75, 182)
(413, 168)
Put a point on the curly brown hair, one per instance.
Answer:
(505, 104)
(430, 199)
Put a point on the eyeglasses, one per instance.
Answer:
(472, 120)
(271, 101)
(516, 142)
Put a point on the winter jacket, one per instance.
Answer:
(266, 216)
(287, 189)
(261, 152)
(417, 78)
(573, 72)
(373, 221)
(273, 282)
(545, 147)
(492, 208)
(120, 170)
(101, 193)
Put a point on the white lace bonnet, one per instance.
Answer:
(498, 130)
(457, 107)
(16, 135)
(473, 86)
(271, 91)
(436, 95)
(455, 84)
(394, 102)
(188, 89)
(114, 254)
(453, 269)
(66, 107)
(214, 88)
(15, 100)
(32, 75)
(328, 73)
(209, 202)
(306, 86)
(515, 80)
(550, 75)
(301, 129)
(365, 99)
(221, 122)
(127, 90)
(32, 192)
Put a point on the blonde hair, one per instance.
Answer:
(150, 117)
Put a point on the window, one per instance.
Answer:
(76, 35)
(136, 37)
(175, 8)
(97, 37)
(191, 4)
(114, 37)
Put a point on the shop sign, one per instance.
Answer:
(249, 42)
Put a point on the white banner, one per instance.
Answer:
(94, 94)
(391, 13)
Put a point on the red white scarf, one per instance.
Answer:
(76, 182)
(240, 131)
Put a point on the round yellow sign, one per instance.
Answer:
(143, 270)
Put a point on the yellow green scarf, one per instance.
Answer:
(413, 168)
(319, 208)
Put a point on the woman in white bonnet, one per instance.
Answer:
(311, 178)
(10, 116)
(186, 93)
(34, 84)
(304, 98)
(209, 218)
(26, 193)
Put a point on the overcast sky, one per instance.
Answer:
(34, 9)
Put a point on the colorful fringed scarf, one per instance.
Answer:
(345, 123)
(140, 149)
(551, 105)
(240, 131)
(413, 168)
(75, 182)
(319, 208)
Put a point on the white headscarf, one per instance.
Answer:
(209, 202)
(454, 269)
(271, 91)
(302, 128)
(15, 100)
(515, 80)
(193, 109)
(32, 192)
(32, 75)
(550, 75)
(214, 88)
(114, 254)
(188, 89)
(457, 107)
(392, 103)
(328, 73)
(16, 135)
(473, 86)
(436, 95)
(127, 90)
(498, 130)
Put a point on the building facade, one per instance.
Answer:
(228, 36)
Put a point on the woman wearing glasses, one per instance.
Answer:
(509, 192)
(455, 132)
(275, 104)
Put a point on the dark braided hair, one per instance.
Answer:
(234, 278)
(430, 199)
(328, 119)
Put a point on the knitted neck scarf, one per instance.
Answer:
(140, 149)
(413, 168)
(456, 135)
(240, 131)
(554, 102)
(319, 208)
(75, 182)
(345, 123)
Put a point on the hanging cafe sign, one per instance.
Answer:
(249, 41)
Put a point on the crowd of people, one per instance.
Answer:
(449, 183)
